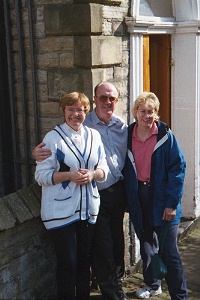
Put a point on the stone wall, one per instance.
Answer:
(28, 263)
(76, 45)
(27, 268)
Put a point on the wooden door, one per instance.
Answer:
(156, 71)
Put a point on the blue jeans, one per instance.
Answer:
(175, 278)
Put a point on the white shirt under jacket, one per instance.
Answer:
(67, 202)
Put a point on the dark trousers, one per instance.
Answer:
(72, 246)
(175, 278)
(108, 252)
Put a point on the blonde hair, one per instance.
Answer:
(143, 99)
(73, 98)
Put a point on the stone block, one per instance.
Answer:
(20, 238)
(37, 190)
(107, 2)
(30, 199)
(61, 81)
(45, 2)
(50, 109)
(47, 124)
(67, 60)
(7, 220)
(40, 29)
(102, 74)
(42, 76)
(48, 60)
(42, 92)
(97, 51)
(17, 207)
(73, 19)
(55, 44)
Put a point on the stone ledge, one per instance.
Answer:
(186, 226)
(31, 201)
(20, 206)
(17, 207)
(7, 220)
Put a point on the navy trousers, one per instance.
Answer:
(175, 278)
(72, 246)
(108, 254)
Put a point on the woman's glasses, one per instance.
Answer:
(143, 112)
(72, 110)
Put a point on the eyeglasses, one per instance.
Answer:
(143, 112)
(78, 111)
(104, 98)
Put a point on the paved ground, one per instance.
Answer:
(189, 246)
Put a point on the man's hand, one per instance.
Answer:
(169, 214)
(39, 153)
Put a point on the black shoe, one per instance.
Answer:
(124, 296)
(119, 296)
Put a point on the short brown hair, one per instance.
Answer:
(73, 98)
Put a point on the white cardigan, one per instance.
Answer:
(67, 202)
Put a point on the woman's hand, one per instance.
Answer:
(169, 214)
(76, 176)
(87, 175)
(80, 176)
(97, 174)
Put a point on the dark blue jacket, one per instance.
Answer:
(166, 179)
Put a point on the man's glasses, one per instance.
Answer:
(104, 98)
(72, 110)
(143, 112)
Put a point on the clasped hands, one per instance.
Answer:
(81, 176)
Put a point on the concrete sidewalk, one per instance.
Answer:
(189, 246)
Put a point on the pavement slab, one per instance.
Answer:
(189, 246)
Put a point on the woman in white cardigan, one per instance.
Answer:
(70, 198)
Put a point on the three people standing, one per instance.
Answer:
(154, 177)
(108, 243)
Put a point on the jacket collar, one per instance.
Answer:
(163, 128)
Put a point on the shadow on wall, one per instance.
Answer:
(26, 254)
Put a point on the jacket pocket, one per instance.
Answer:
(64, 206)
(94, 202)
